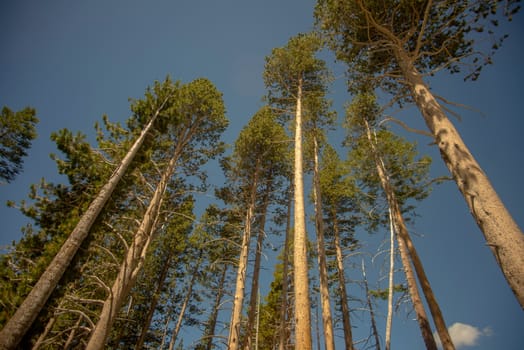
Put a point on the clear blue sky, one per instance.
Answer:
(74, 61)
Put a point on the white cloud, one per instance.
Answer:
(464, 335)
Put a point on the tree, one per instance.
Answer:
(17, 130)
(20, 322)
(338, 202)
(400, 180)
(195, 122)
(253, 171)
(292, 74)
(395, 44)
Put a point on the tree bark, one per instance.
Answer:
(370, 306)
(128, 272)
(234, 327)
(256, 274)
(183, 309)
(346, 318)
(301, 282)
(210, 329)
(283, 329)
(389, 318)
(21, 321)
(406, 247)
(147, 322)
(327, 319)
(502, 234)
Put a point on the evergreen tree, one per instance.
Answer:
(17, 130)
(292, 75)
(394, 45)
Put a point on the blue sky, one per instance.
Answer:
(74, 61)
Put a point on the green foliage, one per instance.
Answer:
(295, 64)
(436, 35)
(408, 174)
(17, 130)
(383, 293)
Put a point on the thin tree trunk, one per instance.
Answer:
(389, 318)
(283, 331)
(346, 318)
(210, 329)
(152, 306)
(256, 273)
(72, 334)
(374, 329)
(234, 327)
(301, 281)
(44, 334)
(327, 320)
(133, 261)
(21, 321)
(502, 234)
(399, 226)
(183, 309)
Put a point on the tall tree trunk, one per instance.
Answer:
(256, 272)
(21, 321)
(210, 329)
(389, 318)
(147, 322)
(502, 234)
(300, 263)
(327, 319)
(236, 313)
(404, 239)
(133, 261)
(183, 308)
(346, 318)
(374, 329)
(283, 329)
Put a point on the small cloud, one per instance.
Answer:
(464, 335)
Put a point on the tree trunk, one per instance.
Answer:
(389, 318)
(21, 321)
(147, 322)
(133, 261)
(210, 329)
(502, 234)
(327, 320)
(283, 331)
(183, 309)
(346, 318)
(300, 261)
(256, 274)
(405, 249)
(236, 313)
(370, 307)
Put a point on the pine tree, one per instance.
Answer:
(17, 130)
(394, 45)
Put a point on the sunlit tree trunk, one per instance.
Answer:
(389, 318)
(407, 249)
(236, 313)
(301, 281)
(21, 321)
(133, 261)
(327, 319)
(502, 234)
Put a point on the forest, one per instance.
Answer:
(165, 236)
